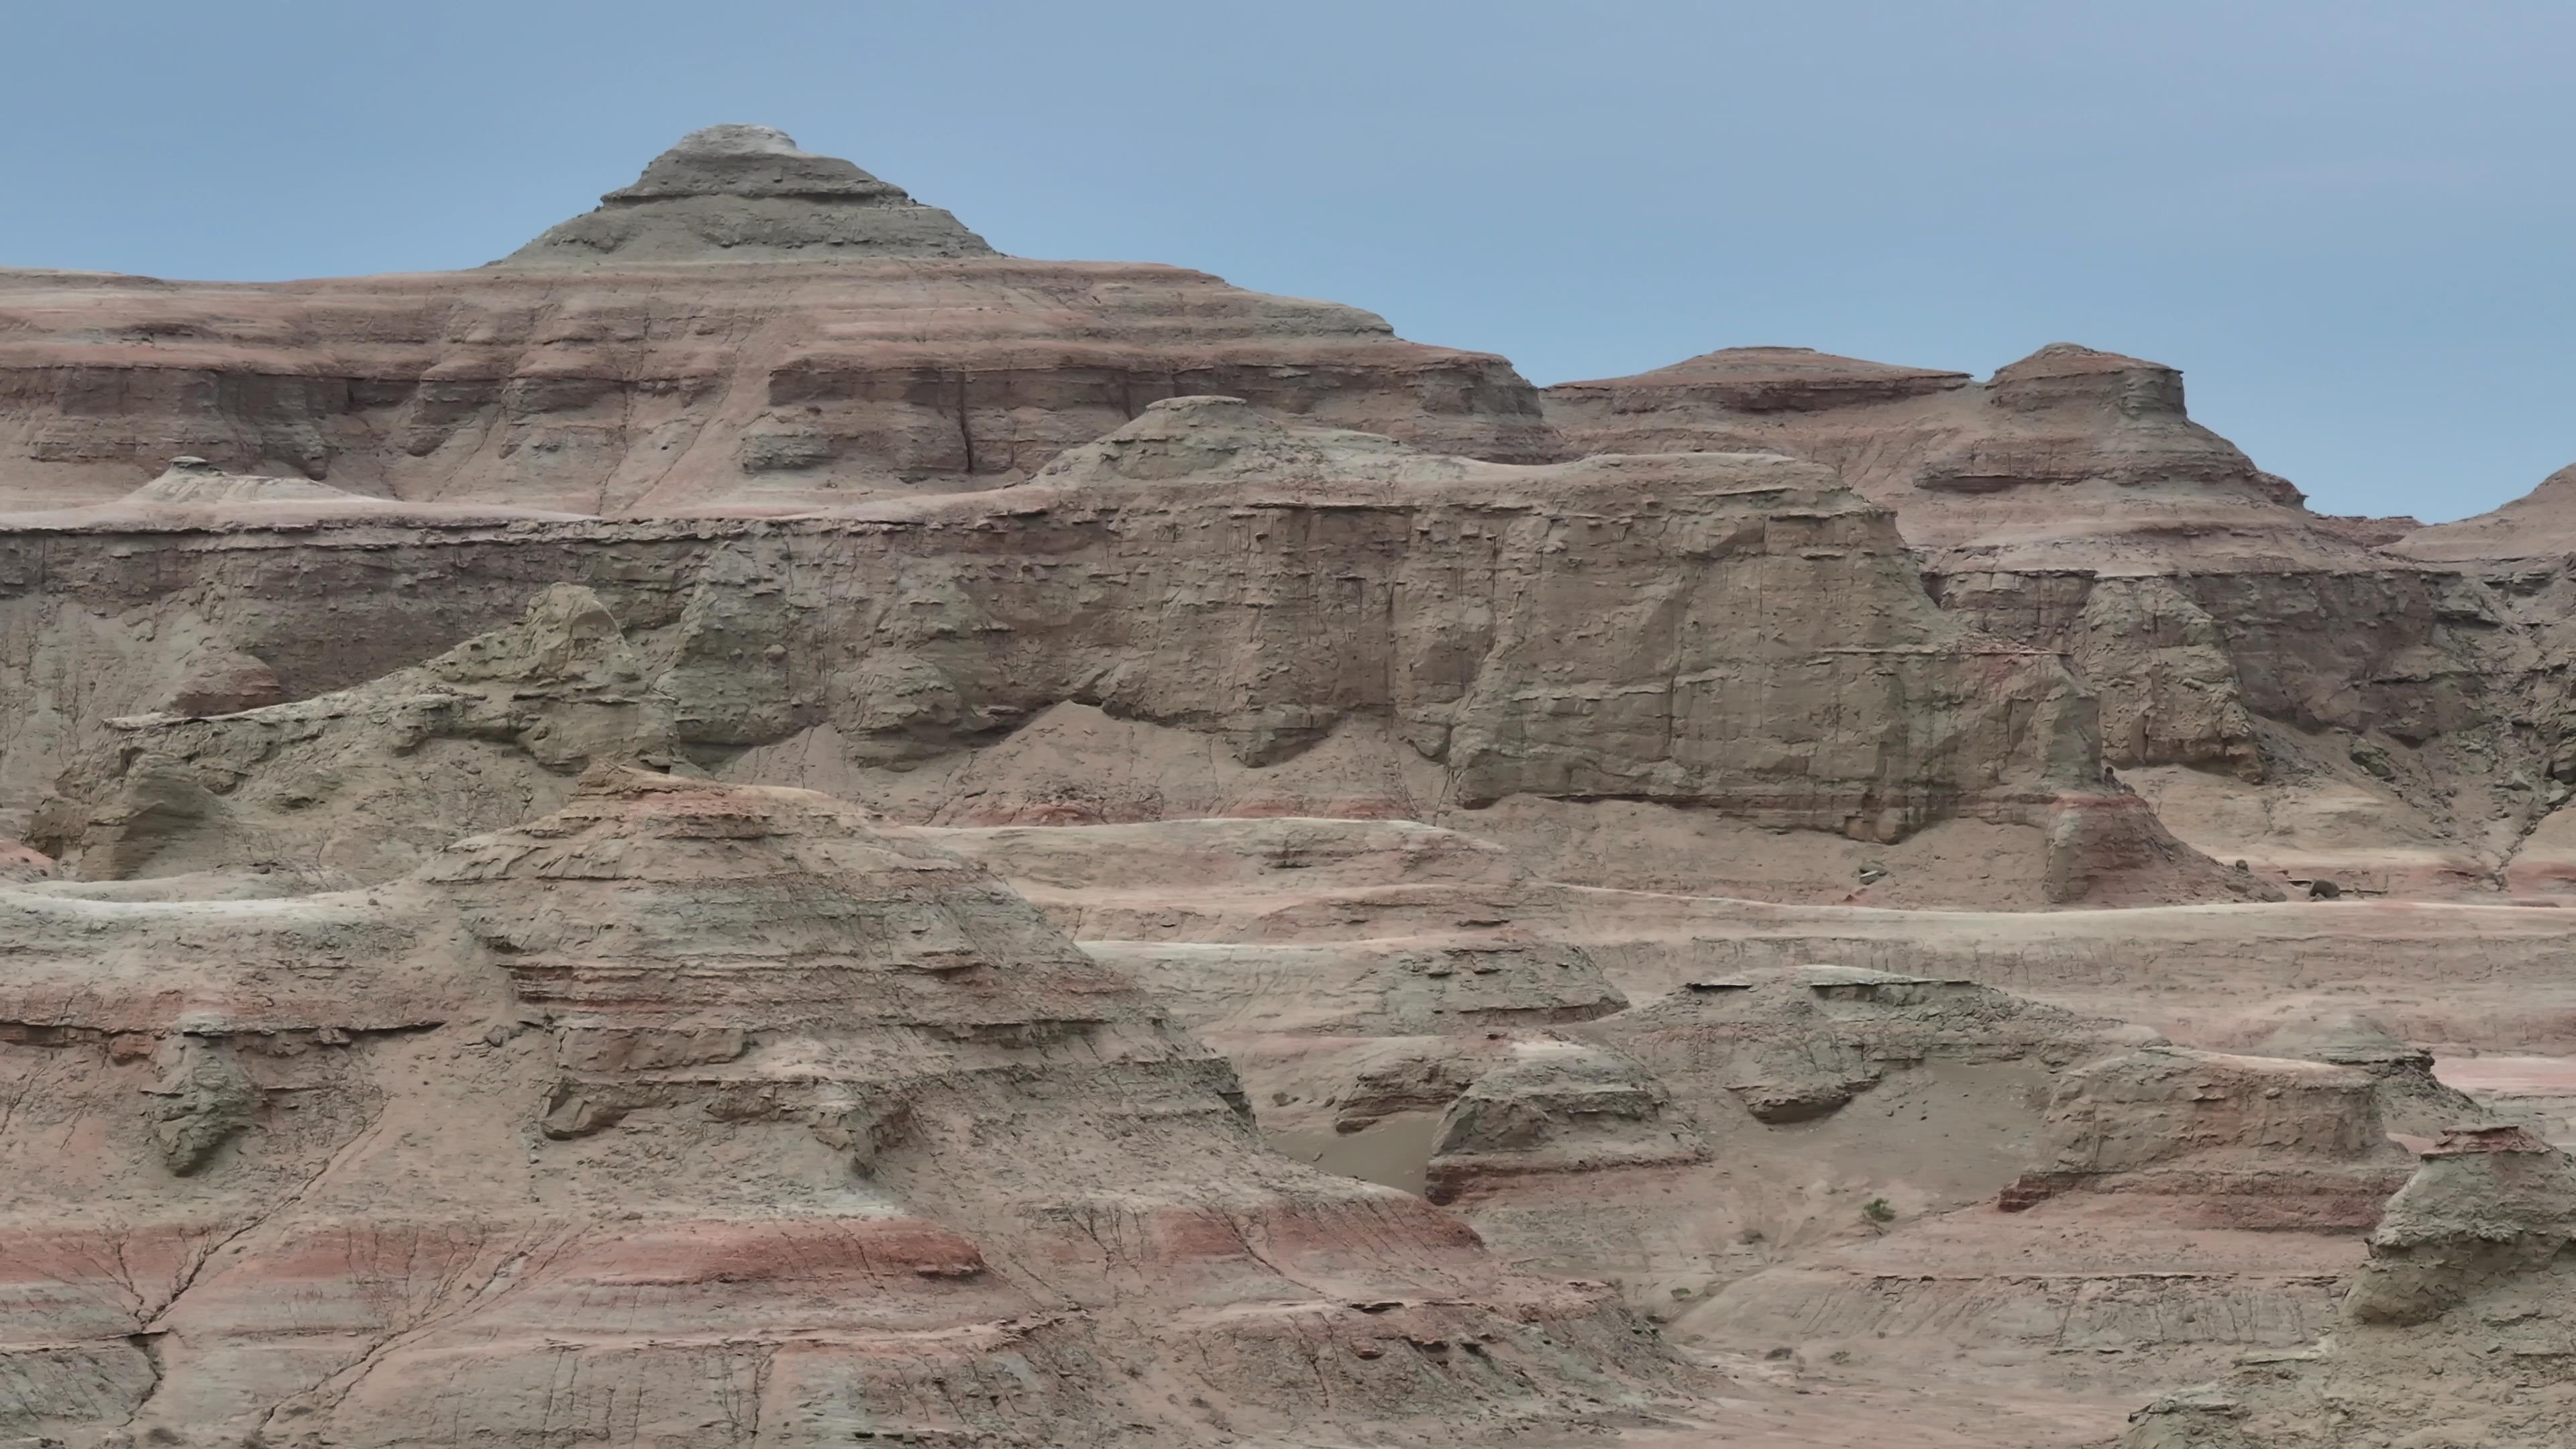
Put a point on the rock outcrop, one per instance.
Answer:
(2069, 445)
(2412, 1099)
(193, 495)
(370, 780)
(1617, 628)
(1060, 853)
(1799, 1044)
(711, 1111)
(2229, 1141)
(1559, 1107)
(2455, 1335)
(746, 193)
(2232, 637)
(20, 864)
(2538, 527)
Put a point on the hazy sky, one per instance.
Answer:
(2349, 222)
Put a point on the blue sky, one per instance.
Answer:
(2348, 222)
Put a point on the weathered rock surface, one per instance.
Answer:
(2240, 1142)
(711, 1112)
(2190, 1207)
(1684, 1142)
(1503, 631)
(1447, 790)
(2456, 1333)
(2069, 502)
(1560, 1107)
(368, 780)
(1389, 986)
(2066, 444)
(2412, 1100)
(746, 193)
(1799, 1044)
(20, 865)
(2538, 526)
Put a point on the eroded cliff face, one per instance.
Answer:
(1631, 628)
(2402, 722)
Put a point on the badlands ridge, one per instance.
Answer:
(758, 825)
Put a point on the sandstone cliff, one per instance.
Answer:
(2398, 715)
(1484, 776)
(1629, 628)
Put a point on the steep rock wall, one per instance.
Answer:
(1725, 632)
(2070, 502)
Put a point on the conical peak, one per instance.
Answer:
(751, 161)
(750, 193)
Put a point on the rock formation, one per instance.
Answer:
(1560, 1107)
(1061, 853)
(1505, 631)
(2412, 1099)
(2538, 526)
(2395, 709)
(747, 327)
(370, 779)
(1798, 1045)
(2456, 1333)
(2067, 445)
(710, 1111)
(20, 865)
(745, 193)
(2251, 1142)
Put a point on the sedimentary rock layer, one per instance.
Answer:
(710, 1115)
(1642, 628)
(2456, 1332)
(747, 326)
(745, 193)
(2070, 502)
